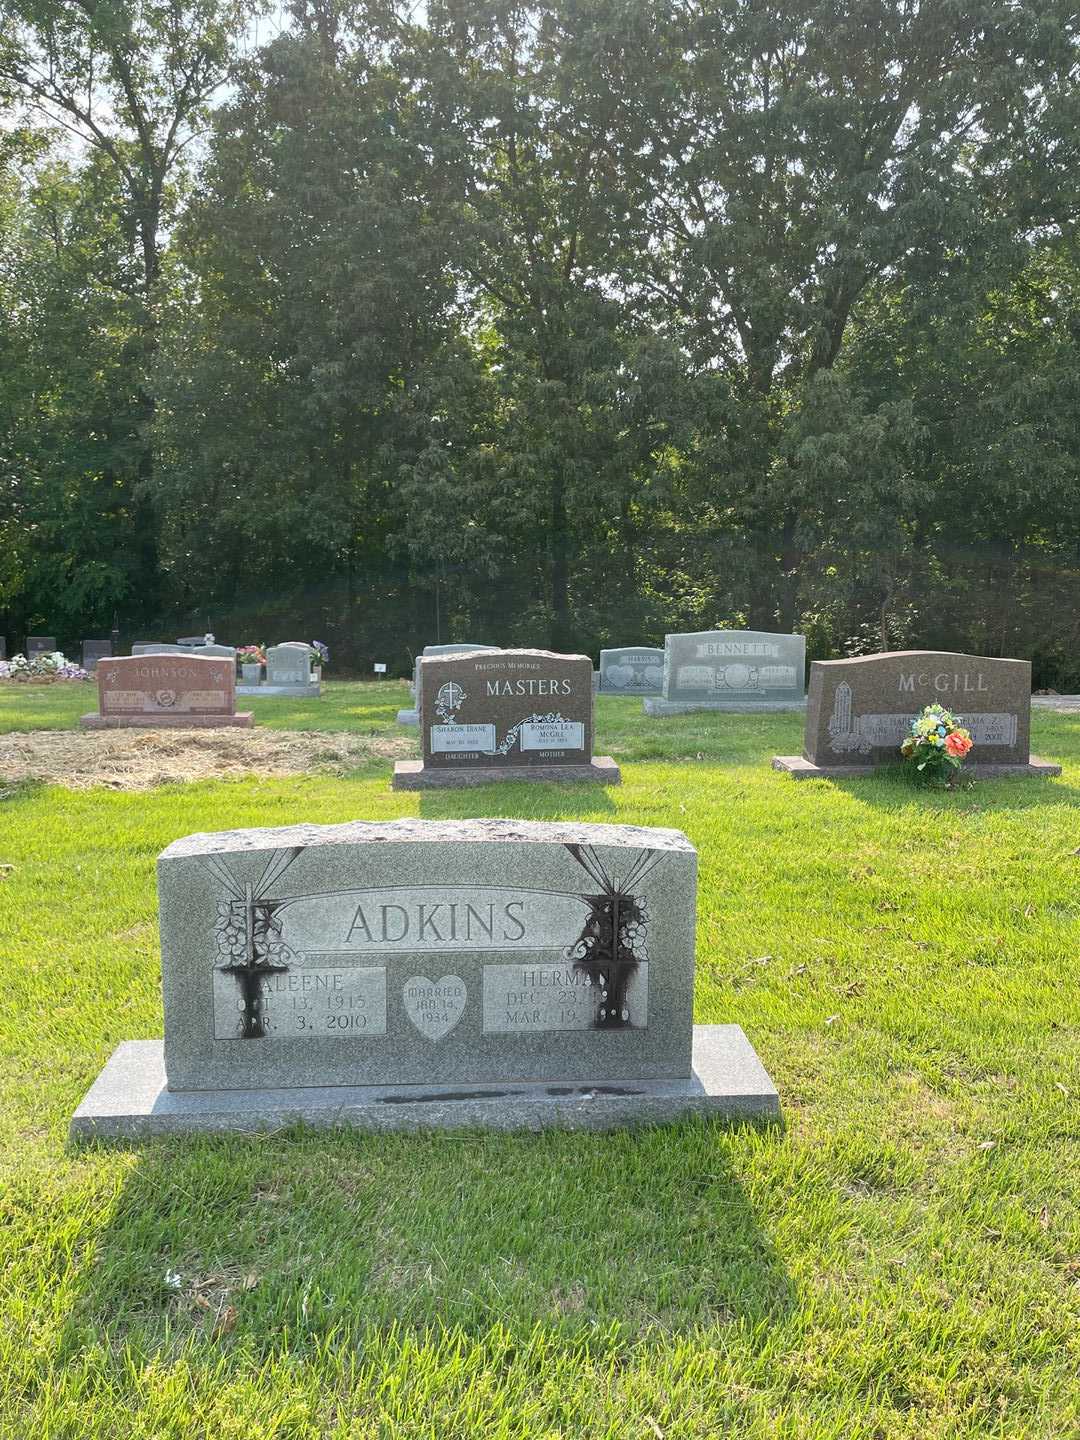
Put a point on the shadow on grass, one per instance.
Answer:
(294, 1239)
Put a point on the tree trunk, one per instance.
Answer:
(559, 552)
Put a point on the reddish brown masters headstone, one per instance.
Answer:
(166, 690)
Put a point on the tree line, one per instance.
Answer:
(568, 323)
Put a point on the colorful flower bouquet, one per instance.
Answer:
(937, 744)
(321, 656)
(250, 655)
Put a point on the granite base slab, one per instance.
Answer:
(242, 720)
(296, 692)
(799, 768)
(408, 717)
(413, 775)
(130, 1100)
(656, 705)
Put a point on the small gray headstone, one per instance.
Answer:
(40, 645)
(288, 664)
(632, 671)
(3, 647)
(159, 647)
(93, 651)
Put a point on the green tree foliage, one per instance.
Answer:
(568, 322)
(127, 86)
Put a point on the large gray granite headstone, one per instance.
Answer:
(40, 645)
(859, 710)
(632, 671)
(427, 952)
(723, 666)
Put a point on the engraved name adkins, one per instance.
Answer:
(313, 965)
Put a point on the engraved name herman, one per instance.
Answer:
(943, 682)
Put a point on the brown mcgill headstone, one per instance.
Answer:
(505, 714)
(859, 711)
(166, 690)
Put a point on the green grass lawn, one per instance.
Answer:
(900, 1259)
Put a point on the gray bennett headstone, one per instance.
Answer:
(40, 645)
(423, 973)
(859, 711)
(505, 714)
(737, 670)
(631, 671)
(93, 651)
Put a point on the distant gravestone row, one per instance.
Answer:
(289, 672)
(506, 973)
(289, 668)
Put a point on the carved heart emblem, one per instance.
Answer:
(435, 1006)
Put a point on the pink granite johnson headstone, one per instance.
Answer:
(154, 691)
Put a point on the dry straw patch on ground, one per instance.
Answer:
(141, 759)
